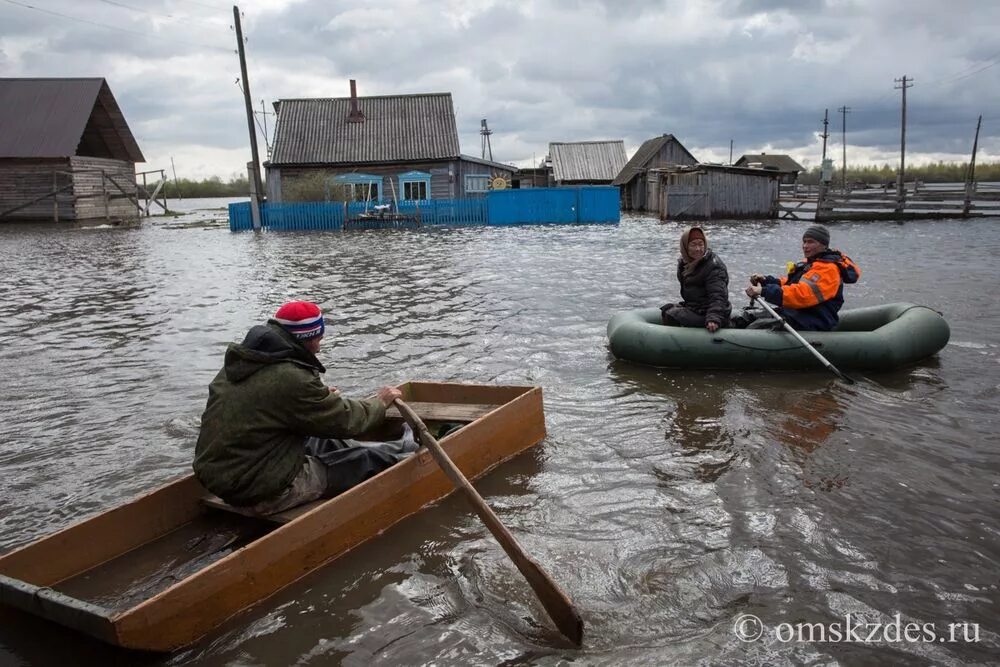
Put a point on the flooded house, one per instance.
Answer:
(66, 152)
(789, 168)
(379, 147)
(639, 184)
(585, 162)
(707, 191)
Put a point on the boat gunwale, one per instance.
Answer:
(310, 531)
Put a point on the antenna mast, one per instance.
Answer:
(485, 131)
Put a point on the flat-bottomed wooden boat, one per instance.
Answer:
(118, 576)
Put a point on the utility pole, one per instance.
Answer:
(730, 152)
(258, 189)
(826, 133)
(843, 141)
(174, 169)
(486, 132)
(902, 84)
(970, 176)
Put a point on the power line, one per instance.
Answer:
(208, 6)
(135, 9)
(993, 61)
(145, 34)
(171, 17)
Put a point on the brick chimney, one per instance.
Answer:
(355, 115)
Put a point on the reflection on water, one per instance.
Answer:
(665, 503)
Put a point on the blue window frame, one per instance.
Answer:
(415, 186)
(477, 182)
(364, 187)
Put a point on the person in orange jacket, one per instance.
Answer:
(812, 293)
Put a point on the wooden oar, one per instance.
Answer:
(556, 603)
(805, 343)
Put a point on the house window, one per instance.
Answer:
(365, 191)
(477, 183)
(415, 190)
(360, 187)
(415, 185)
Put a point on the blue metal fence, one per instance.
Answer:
(589, 204)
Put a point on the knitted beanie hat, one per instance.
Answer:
(818, 233)
(302, 319)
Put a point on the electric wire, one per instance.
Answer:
(146, 34)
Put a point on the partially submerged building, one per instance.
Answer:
(706, 191)
(640, 186)
(586, 162)
(66, 152)
(380, 147)
(789, 168)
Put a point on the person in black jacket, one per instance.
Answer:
(704, 286)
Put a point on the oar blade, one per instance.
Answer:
(556, 603)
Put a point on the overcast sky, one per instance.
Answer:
(759, 72)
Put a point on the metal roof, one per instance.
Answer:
(58, 118)
(397, 128)
(489, 163)
(649, 148)
(703, 167)
(774, 160)
(587, 160)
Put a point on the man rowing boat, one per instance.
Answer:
(811, 295)
(273, 434)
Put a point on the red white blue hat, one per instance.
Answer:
(302, 319)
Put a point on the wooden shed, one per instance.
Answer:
(705, 191)
(66, 152)
(380, 147)
(640, 188)
(789, 168)
(586, 162)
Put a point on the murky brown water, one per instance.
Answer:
(667, 504)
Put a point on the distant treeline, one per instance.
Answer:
(940, 172)
(210, 187)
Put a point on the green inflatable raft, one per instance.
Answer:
(873, 338)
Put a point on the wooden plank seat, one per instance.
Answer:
(445, 412)
(217, 503)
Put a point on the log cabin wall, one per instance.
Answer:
(24, 180)
(94, 185)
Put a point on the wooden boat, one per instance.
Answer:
(871, 338)
(118, 577)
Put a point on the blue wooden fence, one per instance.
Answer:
(531, 206)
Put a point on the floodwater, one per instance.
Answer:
(667, 504)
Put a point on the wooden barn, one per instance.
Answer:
(66, 152)
(382, 147)
(706, 191)
(639, 185)
(789, 168)
(586, 162)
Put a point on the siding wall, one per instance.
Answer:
(447, 177)
(718, 194)
(467, 168)
(96, 196)
(24, 180)
(90, 195)
(644, 189)
(279, 179)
